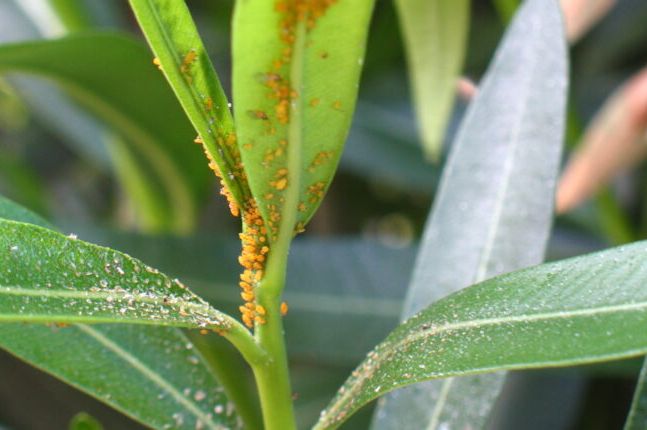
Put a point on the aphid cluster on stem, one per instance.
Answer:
(255, 249)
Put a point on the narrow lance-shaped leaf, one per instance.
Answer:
(181, 56)
(494, 207)
(133, 99)
(152, 374)
(582, 310)
(637, 419)
(435, 36)
(295, 77)
(48, 277)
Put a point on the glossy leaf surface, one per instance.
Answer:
(48, 277)
(163, 394)
(582, 310)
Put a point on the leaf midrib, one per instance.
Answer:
(102, 295)
(150, 374)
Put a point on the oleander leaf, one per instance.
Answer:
(178, 390)
(581, 310)
(296, 68)
(48, 277)
(637, 419)
(494, 207)
(152, 374)
(173, 37)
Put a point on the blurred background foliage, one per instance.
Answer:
(66, 156)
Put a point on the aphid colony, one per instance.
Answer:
(254, 253)
(256, 231)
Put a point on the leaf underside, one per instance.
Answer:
(494, 207)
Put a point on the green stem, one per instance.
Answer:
(242, 339)
(272, 376)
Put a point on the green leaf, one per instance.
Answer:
(152, 374)
(582, 310)
(123, 88)
(173, 37)
(295, 79)
(435, 37)
(138, 182)
(12, 211)
(74, 15)
(162, 394)
(637, 419)
(506, 8)
(494, 207)
(48, 277)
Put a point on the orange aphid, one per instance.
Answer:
(157, 62)
(280, 184)
(284, 308)
(252, 258)
(258, 114)
(188, 59)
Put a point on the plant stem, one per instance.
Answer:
(273, 379)
(272, 376)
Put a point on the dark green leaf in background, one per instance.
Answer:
(637, 419)
(124, 88)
